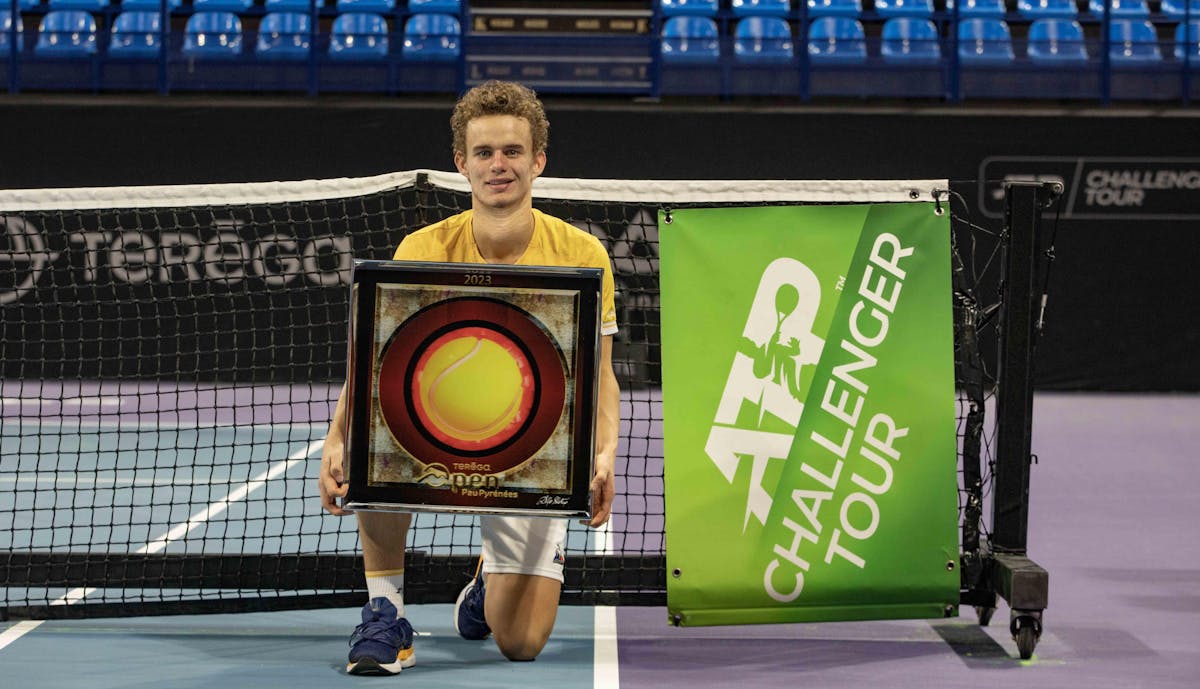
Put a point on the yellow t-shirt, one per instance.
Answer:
(554, 243)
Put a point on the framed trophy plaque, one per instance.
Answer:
(472, 388)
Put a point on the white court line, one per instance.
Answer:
(606, 673)
(178, 531)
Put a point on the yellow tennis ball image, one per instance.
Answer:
(474, 388)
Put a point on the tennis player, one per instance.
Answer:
(500, 135)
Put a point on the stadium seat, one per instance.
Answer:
(904, 8)
(284, 36)
(763, 39)
(85, 5)
(1047, 9)
(5, 29)
(984, 41)
(1177, 9)
(910, 40)
(431, 37)
(979, 8)
(291, 5)
(359, 36)
(149, 5)
(694, 8)
(21, 4)
(453, 7)
(1187, 43)
(1120, 9)
(761, 8)
(237, 6)
(837, 40)
(136, 35)
(834, 8)
(213, 36)
(690, 39)
(1133, 40)
(66, 33)
(1056, 41)
(367, 6)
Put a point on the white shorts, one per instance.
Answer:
(523, 545)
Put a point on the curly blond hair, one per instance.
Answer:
(500, 98)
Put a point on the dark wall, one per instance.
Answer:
(1123, 296)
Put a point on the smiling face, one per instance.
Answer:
(499, 161)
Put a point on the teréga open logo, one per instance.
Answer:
(23, 258)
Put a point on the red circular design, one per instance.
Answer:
(421, 335)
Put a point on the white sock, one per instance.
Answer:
(389, 584)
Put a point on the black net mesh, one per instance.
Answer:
(169, 373)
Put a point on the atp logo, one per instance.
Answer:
(24, 256)
(777, 343)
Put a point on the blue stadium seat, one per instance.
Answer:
(22, 4)
(1187, 43)
(284, 36)
(837, 40)
(213, 36)
(367, 6)
(695, 8)
(291, 5)
(435, 6)
(149, 5)
(979, 8)
(763, 39)
(431, 37)
(66, 33)
(1047, 9)
(761, 8)
(136, 35)
(1178, 8)
(910, 40)
(359, 36)
(834, 8)
(5, 28)
(1056, 41)
(984, 41)
(85, 5)
(904, 8)
(690, 39)
(1133, 41)
(237, 6)
(1120, 9)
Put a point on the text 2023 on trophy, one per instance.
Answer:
(472, 388)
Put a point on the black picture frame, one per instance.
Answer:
(472, 388)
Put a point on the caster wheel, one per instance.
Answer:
(1026, 631)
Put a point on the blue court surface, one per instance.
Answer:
(1112, 519)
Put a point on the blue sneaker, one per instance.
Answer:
(383, 643)
(468, 609)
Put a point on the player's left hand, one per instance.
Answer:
(603, 490)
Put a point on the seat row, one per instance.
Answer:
(1032, 9)
(452, 7)
(218, 35)
(981, 41)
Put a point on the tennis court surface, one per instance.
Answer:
(1110, 515)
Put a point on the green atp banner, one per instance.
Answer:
(809, 414)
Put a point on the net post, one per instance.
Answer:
(1023, 206)
(1012, 575)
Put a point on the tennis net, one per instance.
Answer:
(171, 357)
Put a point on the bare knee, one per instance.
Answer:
(521, 646)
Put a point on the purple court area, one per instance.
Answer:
(150, 402)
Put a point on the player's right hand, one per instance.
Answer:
(330, 482)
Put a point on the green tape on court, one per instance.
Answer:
(808, 414)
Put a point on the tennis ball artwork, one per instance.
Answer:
(474, 388)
